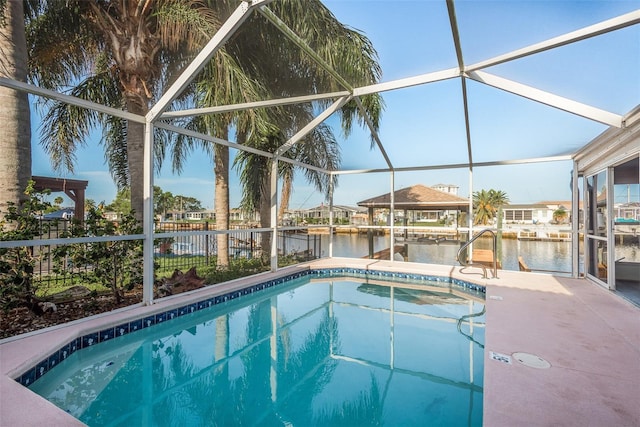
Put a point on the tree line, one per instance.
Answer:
(163, 202)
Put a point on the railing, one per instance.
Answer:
(177, 246)
(465, 262)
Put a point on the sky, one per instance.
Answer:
(424, 125)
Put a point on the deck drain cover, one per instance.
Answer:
(531, 360)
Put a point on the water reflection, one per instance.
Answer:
(539, 255)
(326, 353)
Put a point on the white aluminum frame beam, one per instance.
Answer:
(217, 41)
(234, 145)
(252, 105)
(457, 165)
(71, 100)
(453, 22)
(302, 44)
(437, 76)
(467, 125)
(603, 27)
(548, 98)
(374, 133)
(312, 124)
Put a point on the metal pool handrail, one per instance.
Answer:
(495, 259)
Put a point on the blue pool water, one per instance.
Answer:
(329, 351)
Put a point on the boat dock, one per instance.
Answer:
(384, 254)
(544, 235)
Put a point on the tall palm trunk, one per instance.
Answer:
(221, 169)
(265, 214)
(285, 194)
(15, 119)
(135, 157)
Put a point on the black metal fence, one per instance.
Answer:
(187, 245)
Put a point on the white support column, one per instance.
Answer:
(330, 216)
(470, 214)
(274, 214)
(575, 219)
(392, 218)
(611, 237)
(147, 226)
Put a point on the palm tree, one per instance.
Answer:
(221, 82)
(118, 54)
(486, 205)
(560, 215)
(235, 76)
(347, 51)
(15, 132)
(319, 149)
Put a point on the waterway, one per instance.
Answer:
(539, 255)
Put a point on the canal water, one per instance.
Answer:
(539, 255)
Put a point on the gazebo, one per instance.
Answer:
(73, 188)
(415, 198)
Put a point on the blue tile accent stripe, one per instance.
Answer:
(44, 366)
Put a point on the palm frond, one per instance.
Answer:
(65, 127)
(62, 46)
(114, 139)
(185, 24)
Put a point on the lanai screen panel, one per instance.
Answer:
(416, 36)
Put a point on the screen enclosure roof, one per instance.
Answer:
(465, 84)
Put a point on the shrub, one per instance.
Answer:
(116, 265)
(237, 268)
(17, 263)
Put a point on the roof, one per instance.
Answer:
(564, 203)
(335, 207)
(64, 213)
(58, 184)
(417, 197)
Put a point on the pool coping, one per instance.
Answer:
(19, 353)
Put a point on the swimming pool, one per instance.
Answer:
(317, 349)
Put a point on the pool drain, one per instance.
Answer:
(531, 360)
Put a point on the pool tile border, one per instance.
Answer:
(96, 337)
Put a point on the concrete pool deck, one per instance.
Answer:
(589, 336)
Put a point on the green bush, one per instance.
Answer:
(116, 265)
(240, 267)
(17, 264)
